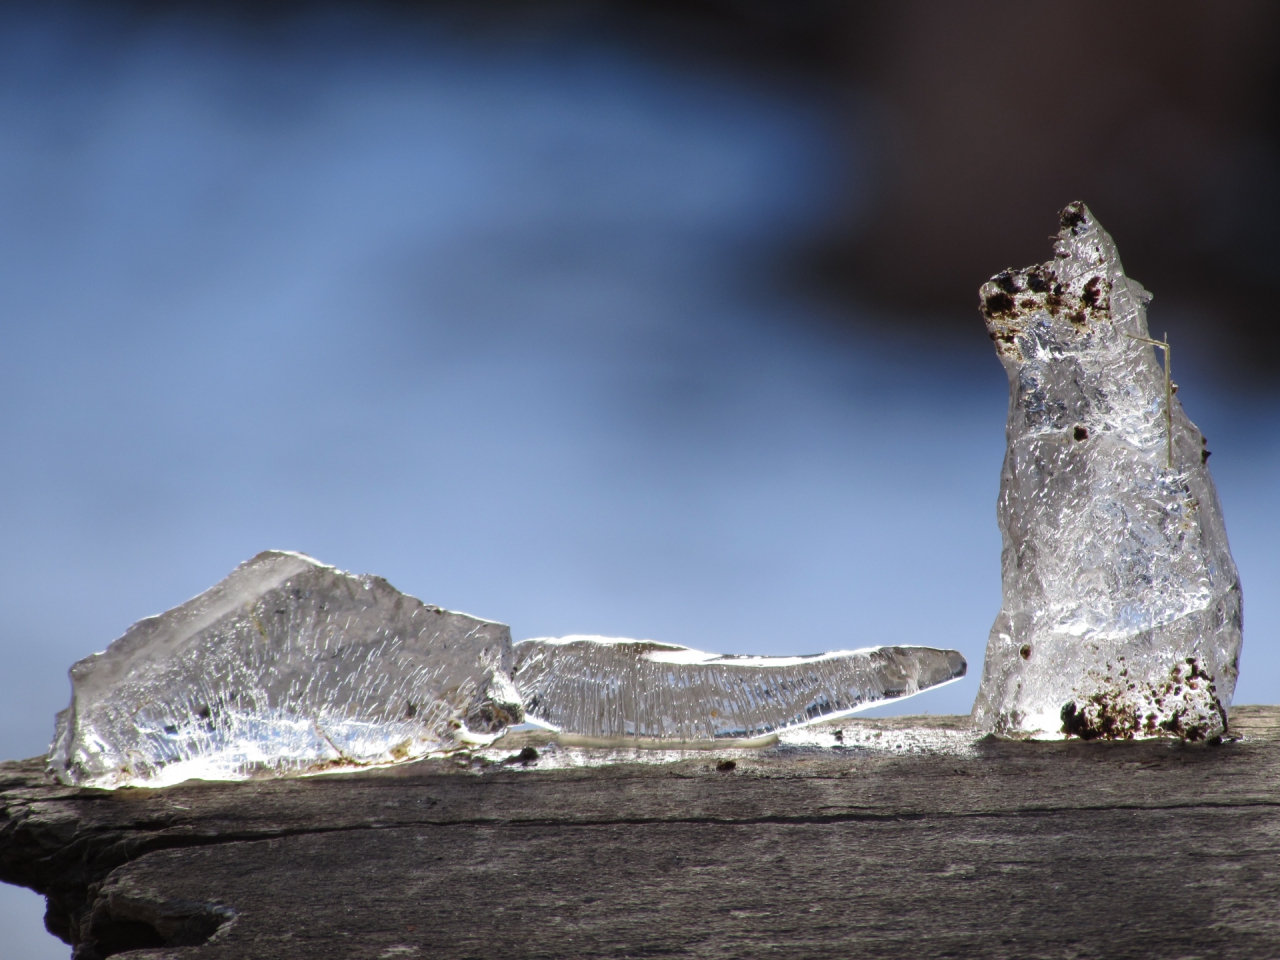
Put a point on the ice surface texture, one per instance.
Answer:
(1122, 608)
(291, 667)
(286, 666)
(604, 689)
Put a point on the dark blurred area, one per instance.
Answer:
(1163, 115)
(977, 121)
(969, 125)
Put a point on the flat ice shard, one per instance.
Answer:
(1122, 609)
(286, 666)
(291, 667)
(600, 688)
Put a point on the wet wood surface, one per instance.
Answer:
(929, 845)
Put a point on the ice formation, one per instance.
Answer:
(286, 666)
(599, 688)
(1121, 615)
(291, 667)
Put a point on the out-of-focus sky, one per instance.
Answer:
(509, 317)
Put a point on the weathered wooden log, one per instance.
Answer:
(947, 848)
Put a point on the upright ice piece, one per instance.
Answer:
(286, 666)
(600, 688)
(1122, 610)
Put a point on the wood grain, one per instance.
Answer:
(960, 849)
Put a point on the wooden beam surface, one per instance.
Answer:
(926, 844)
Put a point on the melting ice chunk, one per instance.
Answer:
(606, 689)
(291, 667)
(1122, 611)
(286, 666)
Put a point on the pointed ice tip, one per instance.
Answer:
(1074, 218)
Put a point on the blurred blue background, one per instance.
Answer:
(516, 317)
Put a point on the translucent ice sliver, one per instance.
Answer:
(289, 666)
(600, 688)
(1121, 615)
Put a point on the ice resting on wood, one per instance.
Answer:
(292, 667)
(1122, 613)
(286, 666)
(600, 688)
